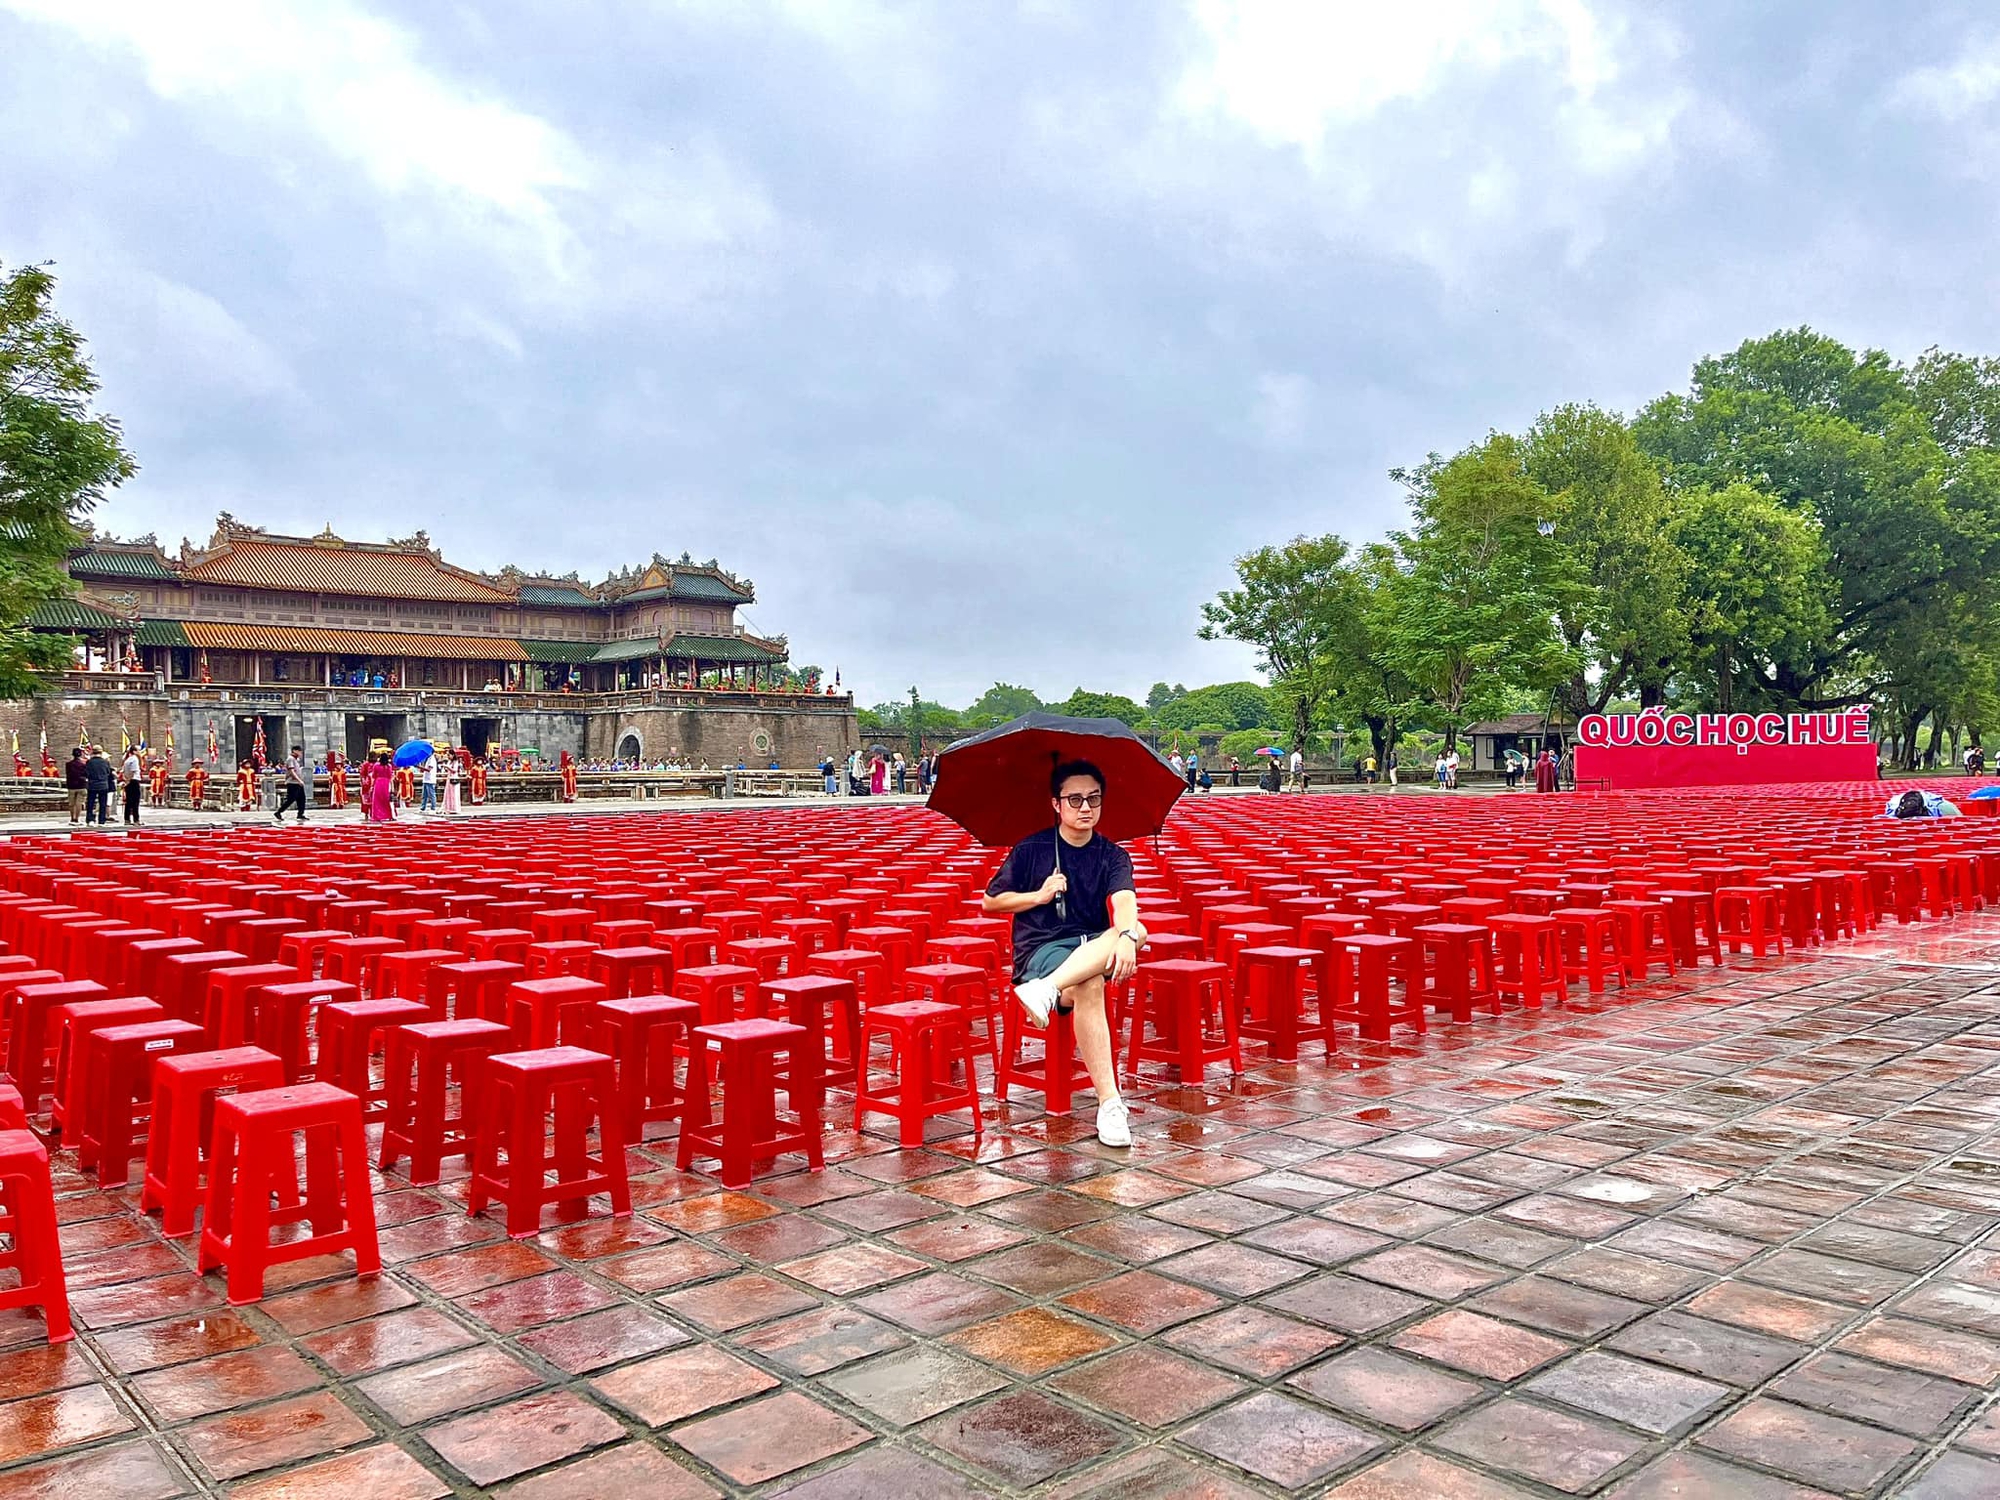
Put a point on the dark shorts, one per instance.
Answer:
(1046, 959)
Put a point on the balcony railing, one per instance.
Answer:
(296, 695)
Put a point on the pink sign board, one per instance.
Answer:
(1654, 748)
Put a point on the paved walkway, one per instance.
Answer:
(1727, 1238)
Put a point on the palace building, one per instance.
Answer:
(335, 644)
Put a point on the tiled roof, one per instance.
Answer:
(569, 652)
(309, 640)
(161, 633)
(99, 563)
(689, 647)
(555, 593)
(702, 586)
(306, 567)
(72, 614)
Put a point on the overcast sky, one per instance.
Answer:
(980, 337)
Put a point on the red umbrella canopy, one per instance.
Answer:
(995, 784)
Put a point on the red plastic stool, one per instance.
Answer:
(620, 932)
(1527, 959)
(420, 1060)
(771, 957)
(746, 1057)
(397, 922)
(472, 989)
(347, 1030)
(509, 943)
(811, 934)
(866, 968)
(451, 932)
(261, 937)
(517, 1094)
(406, 975)
(1458, 957)
(562, 924)
(1364, 964)
(732, 924)
(723, 991)
(32, 1040)
(542, 1012)
(278, 1018)
(358, 960)
(1057, 1074)
(253, 1154)
(553, 959)
(29, 1193)
(692, 947)
(1180, 996)
(70, 1024)
(806, 999)
(1691, 925)
(185, 1087)
(640, 1034)
(637, 970)
(927, 1042)
(1270, 998)
(1643, 936)
(117, 1090)
(306, 951)
(1748, 915)
(1589, 937)
(1799, 905)
(350, 917)
(968, 986)
(222, 1012)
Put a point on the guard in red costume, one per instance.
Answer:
(336, 780)
(246, 787)
(197, 779)
(478, 782)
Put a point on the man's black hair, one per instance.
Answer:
(1071, 768)
(1912, 805)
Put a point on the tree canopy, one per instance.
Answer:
(58, 458)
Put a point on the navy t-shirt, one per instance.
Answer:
(1095, 871)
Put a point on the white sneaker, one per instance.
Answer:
(1114, 1123)
(1038, 997)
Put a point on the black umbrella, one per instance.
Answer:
(995, 784)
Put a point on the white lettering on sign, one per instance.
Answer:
(1657, 728)
(161, 1045)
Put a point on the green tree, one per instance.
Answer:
(1001, 702)
(1086, 705)
(1228, 705)
(1294, 603)
(58, 458)
(1469, 615)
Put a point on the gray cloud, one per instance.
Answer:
(982, 339)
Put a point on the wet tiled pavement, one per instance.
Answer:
(1729, 1235)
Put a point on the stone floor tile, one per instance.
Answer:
(1639, 1277)
(1479, 1345)
(122, 1471)
(239, 1443)
(503, 1441)
(138, 1301)
(230, 1380)
(736, 1302)
(1557, 1307)
(356, 1349)
(763, 1439)
(1640, 1395)
(338, 1302)
(1233, 1270)
(416, 1394)
(1252, 1342)
(1139, 1240)
(914, 1384)
(1386, 1388)
(1688, 1475)
(1809, 1446)
(1713, 1350)
(677, 1385)
(1767, 1310)
(1983, 1436)
(1828, 1277)
(1281, 1441)
(1957, 1356)
(129, 1351)
(1956, 1476)
(40, 1368)
(1042, 1269)
(1420, 1476)
(1147, 1385)
(781, 1237)
(710, 1212)
(1151, 1474)
(603, 1338)
(634, 1469)
(58, 1419)
(1901, 1400)
(1031, 1341)
(879, 1473)
(1142, 1302)
(380, 1472)
(1347, 1305)
(1021, 1439)
(1427, 1272)
(824, 1339)
(1572, 1454)
(850, 1268)
(938, 1303)
(462, 1272)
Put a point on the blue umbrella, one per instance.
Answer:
(1270, 750)
(415, 752)
(1984, 793)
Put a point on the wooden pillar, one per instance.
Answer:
(256, 669)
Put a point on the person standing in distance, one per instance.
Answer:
(1056, 884)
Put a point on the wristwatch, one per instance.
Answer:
(1130, 932)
